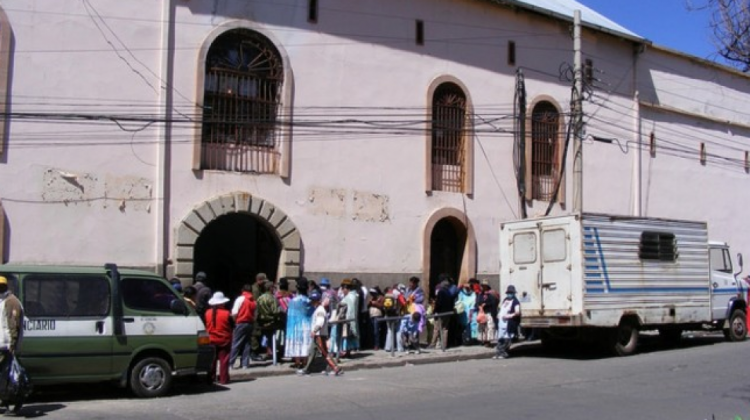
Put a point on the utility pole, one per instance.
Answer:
(577, 108)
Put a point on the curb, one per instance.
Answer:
(364, 364)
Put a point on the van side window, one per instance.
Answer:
(66, 295)
(147, 294)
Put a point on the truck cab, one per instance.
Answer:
(727, 291)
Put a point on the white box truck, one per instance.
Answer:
(604, 278)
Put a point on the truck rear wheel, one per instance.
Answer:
(151, 377)
(737, 330)
(625, 338)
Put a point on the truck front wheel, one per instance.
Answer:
(737, 330)
(625, 339)
(151, 377)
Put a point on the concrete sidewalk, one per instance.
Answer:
(369, 359)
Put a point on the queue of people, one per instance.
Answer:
(319, 319)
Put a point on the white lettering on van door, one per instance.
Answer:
(39, 325)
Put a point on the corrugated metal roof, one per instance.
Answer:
(563, 9)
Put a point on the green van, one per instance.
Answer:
(85, 324)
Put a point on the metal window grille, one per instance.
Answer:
(244, 75)
(545, 125)
(448, 128)
(661, 246)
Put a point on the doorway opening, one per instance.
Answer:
(447, 246)
(233, 248)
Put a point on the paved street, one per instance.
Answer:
(705, 377)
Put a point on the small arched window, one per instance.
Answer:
(449, 155)
(545, 152)
(243, 82)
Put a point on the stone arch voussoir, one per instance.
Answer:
(190, 227)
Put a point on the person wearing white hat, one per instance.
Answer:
(219, 327)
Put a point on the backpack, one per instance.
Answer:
(390, 305)
(266, 318)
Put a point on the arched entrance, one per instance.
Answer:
(449, 246)
(232, 238)
(233, 248)
(447, 243)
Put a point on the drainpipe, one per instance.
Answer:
(637, 167)
(164, 135)
(637, 128)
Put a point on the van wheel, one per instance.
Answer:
(151, 377)
(737, 330)
(625, 339)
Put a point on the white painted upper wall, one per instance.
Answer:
(359, 61)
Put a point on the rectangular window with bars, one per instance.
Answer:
(239, 122)
(448, 133)
(545, 145)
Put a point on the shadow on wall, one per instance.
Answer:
(4, 236)
(472, 42)
(7, 52)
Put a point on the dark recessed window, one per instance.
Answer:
(511, 53)
(652, 144)
(658, 246)
(420, 32)
(588, 71)
(312, 11)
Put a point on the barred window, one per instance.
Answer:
(448, 138)
(242, 89)
(545, 126)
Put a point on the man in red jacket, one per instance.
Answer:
(219, 327)
(243, 313)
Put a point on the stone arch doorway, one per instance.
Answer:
(450, 247)
(233, 248)
(233, 237)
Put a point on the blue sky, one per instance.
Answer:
(665, 22)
